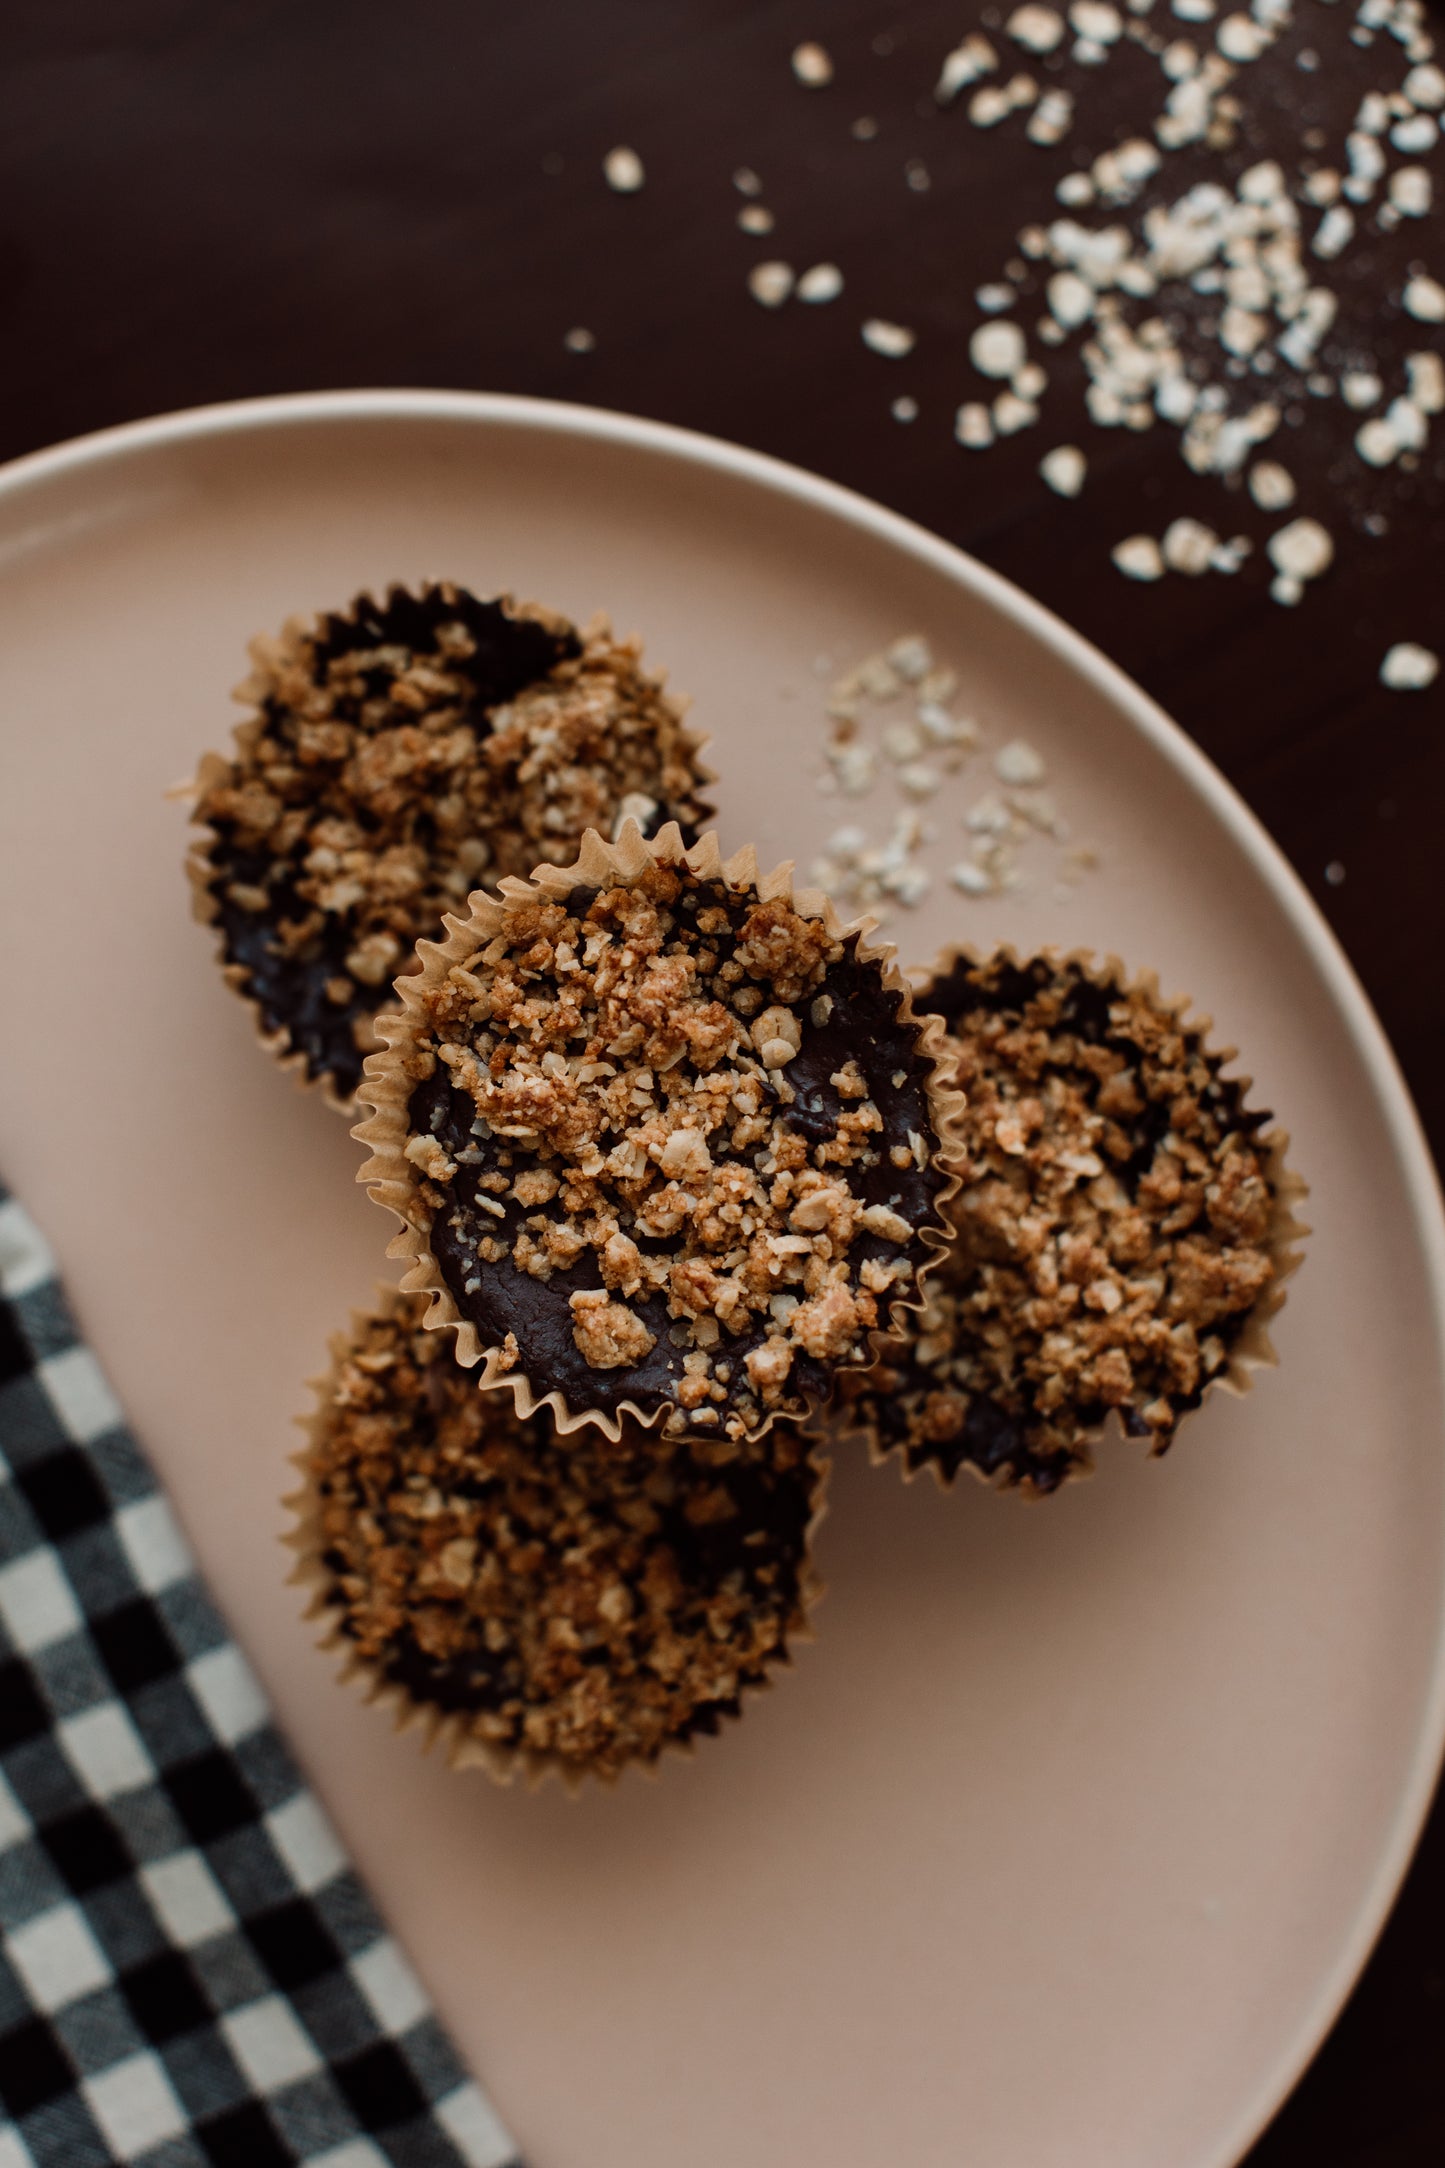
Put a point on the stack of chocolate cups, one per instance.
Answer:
(691, 1186)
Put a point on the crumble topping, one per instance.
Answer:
(677, 1140)
(1112, 1237)
(572, 1598)
(402, 754)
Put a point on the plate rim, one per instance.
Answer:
(528, 413)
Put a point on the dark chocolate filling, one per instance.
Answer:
(863, 1027)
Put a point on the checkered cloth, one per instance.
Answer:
(191, 1975)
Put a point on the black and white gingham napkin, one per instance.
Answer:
(191, 1975)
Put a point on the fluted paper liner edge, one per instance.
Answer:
(392, 1180)
(1252, 1351)
(448, 1731)
(213, 768)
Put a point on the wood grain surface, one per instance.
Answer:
(210, 199)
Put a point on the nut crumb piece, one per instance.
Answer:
(608, 1333)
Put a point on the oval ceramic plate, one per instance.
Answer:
(1066, 1838)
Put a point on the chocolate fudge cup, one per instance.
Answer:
(533, 1603)
(665, 1139)
(398, 753)
(1122, 1237)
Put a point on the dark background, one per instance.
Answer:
(211, 199)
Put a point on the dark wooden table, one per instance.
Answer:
(207, 199)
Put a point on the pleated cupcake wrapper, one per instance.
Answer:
(452, 1733)
(393, 1181)
(266, 649)
(1253, 1349)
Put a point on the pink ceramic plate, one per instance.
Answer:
(1068, 1836)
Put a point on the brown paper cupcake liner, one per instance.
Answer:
(452, 1733)
(1250, 1351)
(393, 1180)
(265, 649)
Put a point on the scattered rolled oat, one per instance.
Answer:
(904, 409)
(997, 348)
(892, 340)
(1376, 442)
(1409, 668)
(1018, 763)
(574, 1604)
(1038, 28)
(919, 753)
(623, 169)
(1010, 413)
(1201, 311)
(1189, 547)
(1425, 299)
(975, 57)
(1426, 374)
(1411, 191)
(812, 66)
(1138, 557)
(653, 1133)
(1361, 388)
(821, 282)
(1271, 485)
(972, 879)
(755, 218)
(1064, 469)
(1301, 551)
(973, 426)
(770, 283)
(579, 340)
(1122, 1228)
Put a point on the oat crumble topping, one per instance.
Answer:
(575, 1598)
(403, 753)
(677, 1139)
(1113, 1234)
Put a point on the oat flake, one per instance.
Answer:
(623, 169)
(1064, 469)
(821, 282)
(892, 340)
(770, 283)
(1409, 668)
(812, 66)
